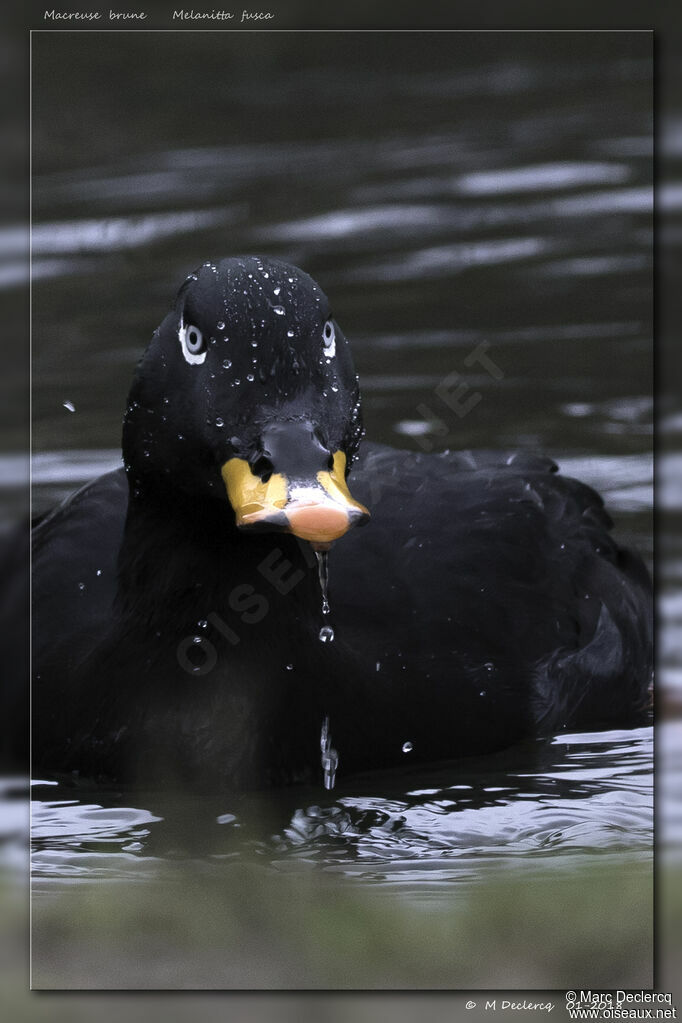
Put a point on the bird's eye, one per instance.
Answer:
(194, 340)
(329, 338)
(192, 343)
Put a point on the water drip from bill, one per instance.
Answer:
(326, 633)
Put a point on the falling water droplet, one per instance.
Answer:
(220, 325)
(326, 634)
(330, 757)
(279, 309)
(276, 291)
(219, 421)
(290, 333)
(407, 747)
(489, 666)
(323, 576)
(69, 406)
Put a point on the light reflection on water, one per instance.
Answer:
(581, 795)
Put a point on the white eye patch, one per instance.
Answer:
(329, 338)
(192, 343)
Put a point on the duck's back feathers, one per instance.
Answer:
(75, 553)
(492, 575)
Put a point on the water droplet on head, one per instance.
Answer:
(489, 666)
(250, 377)
(227, 363)
(220, 325)
(219, 421)
(279, 309)
(290, 667)
(276, 291)
(202, 623)
(98, 572)
(81, 586)
(407, 747)
(290, 333)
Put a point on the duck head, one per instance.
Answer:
(247, 395)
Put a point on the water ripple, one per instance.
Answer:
(585, 793)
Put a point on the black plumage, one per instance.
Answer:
(485, 601)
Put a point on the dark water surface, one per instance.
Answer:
(445, 189)
(417, 832)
